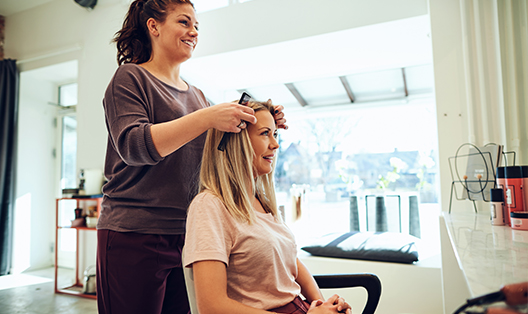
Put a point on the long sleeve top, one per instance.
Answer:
(147, 193)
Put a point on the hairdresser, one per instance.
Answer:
(156, 131)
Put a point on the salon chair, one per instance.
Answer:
(369, 282)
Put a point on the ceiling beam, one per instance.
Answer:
(346, 85)
(405, 83)
(296, 94)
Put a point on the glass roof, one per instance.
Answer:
(420, 79)
(279, 93)
(396, 83)
(379, 85)
(324, 91)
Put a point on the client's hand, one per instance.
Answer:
(334, 304)
(342, 306)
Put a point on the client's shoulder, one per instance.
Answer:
(208, 204)
(207, 196)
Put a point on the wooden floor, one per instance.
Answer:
(33, 293)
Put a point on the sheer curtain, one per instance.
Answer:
(8, 126)
(495, 44)
(513, 30)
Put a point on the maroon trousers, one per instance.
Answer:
(140, 273)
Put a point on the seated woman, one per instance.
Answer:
(244, 258)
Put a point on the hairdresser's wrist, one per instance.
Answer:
(207, 117)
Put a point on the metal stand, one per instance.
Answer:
(484, 183)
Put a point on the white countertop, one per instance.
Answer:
(489, 256)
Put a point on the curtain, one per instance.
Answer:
(513, 30)
(8, 126)
(495, 45)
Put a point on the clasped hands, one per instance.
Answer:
(334, 304)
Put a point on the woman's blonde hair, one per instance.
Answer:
(229, 174)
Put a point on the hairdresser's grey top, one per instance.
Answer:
(145, 192)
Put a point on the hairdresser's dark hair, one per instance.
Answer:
(133, 40)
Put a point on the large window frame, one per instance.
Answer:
(317, 201)
(67, 163)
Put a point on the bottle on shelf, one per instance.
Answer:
(81, 183)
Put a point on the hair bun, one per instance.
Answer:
(140, 3)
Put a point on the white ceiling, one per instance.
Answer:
(8, 7)
(62, 73)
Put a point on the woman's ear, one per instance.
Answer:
(152, 26)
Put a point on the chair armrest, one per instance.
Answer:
(370, 282)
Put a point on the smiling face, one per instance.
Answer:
(177, 36)
(263, 138)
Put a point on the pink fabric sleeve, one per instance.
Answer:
(260, 257)
(209, 227)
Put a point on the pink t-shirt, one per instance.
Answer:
(260, 257)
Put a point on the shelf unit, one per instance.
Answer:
(81, 202)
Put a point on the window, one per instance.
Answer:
(69, 152)
(68, 100)
(68, 95)
(68, 164)
(330, 154)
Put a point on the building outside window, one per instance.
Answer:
(328, 155)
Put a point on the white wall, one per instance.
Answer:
(405, 289)
(78, 35)
(262, 22)
(449, 88)
(34, 210)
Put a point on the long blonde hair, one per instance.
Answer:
(229, 174)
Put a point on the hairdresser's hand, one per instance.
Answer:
(279, 116)
(334, 304)
(227, 117)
